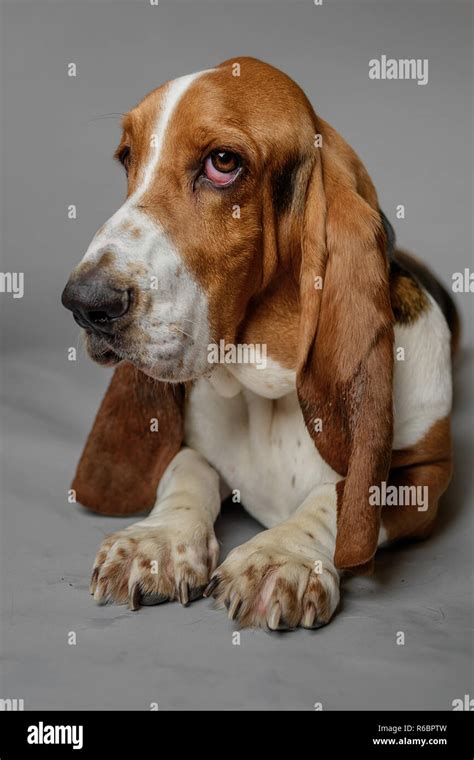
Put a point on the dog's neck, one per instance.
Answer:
(272, 382)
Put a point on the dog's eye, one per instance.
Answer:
(221, 167)
(124, 157)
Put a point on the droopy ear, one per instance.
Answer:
(125, 455)
(345, 365)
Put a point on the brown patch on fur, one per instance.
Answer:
(427, 463)
(422, 274)
(316, 591)
(138, 269)
(408, 299)
(250, 572)
(106, 261)
(181, 549)
(291, 605)
(272, 319)
(285, 586)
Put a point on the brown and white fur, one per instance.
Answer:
(333, 413)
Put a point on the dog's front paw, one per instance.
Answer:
(265, 586)
(154, 564)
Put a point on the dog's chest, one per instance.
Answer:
(258, 443)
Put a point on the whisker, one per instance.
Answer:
(105, 116)
(175, 327)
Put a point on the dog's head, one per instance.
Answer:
(212, 160)
(235, 185)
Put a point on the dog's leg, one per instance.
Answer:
(426, 469)
(285, 577)
(170, 554)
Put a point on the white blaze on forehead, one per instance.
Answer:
(173, 94)
(111, 234)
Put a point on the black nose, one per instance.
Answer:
(94, 302)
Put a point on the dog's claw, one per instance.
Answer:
(134, 597)
(93, 581)
(211, 586)
(101, 591)
(183, 593)
(309, 616)
(234, 607)
(274, 617)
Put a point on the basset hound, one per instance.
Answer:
(250, 223)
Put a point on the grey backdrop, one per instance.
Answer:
(56, 150)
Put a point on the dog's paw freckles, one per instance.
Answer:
(264, 587)
(150, 565)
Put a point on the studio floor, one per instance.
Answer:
(187, 658)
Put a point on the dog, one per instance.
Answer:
(250, 222)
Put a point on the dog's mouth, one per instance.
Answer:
(101, 352)
(163, 364)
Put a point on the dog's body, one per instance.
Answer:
(248, 425)
(308, 441)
